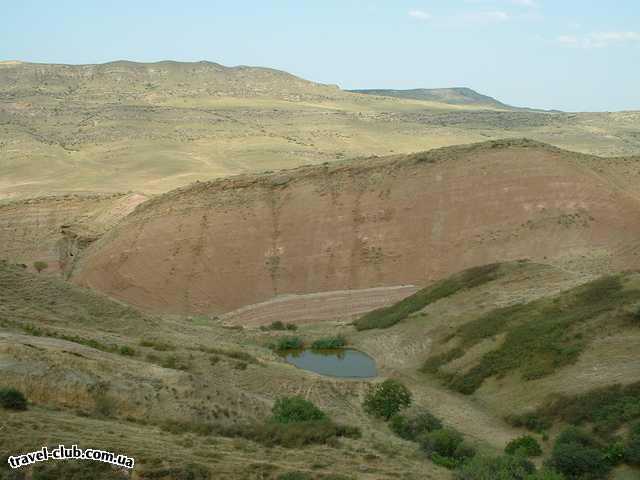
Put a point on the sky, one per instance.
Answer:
(573, 55)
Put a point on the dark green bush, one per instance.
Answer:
(296, 409)
(506, 467)
(386, 399)
(577, 455)
(77, 470)
(411, 426)
(329, 343)
(12, 399)
(526, 446)
(444, 442)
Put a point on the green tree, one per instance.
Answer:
(386, 399)
(296, 409)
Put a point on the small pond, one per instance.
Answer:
(341, 363)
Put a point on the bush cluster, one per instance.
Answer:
(525, 446)
(287, 343)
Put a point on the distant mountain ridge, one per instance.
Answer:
(452, 96)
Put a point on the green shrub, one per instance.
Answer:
(294, 476)
(388, 316)
(126, 350)
(386, 399)
(329, 343)
(12, 399)
(40, 266)
(287, 343)
(411, 426)
(298, 434)
(578, 455)
(632, 449)
(296, 409)
(526, 446)
(507, 467)
(190, 471)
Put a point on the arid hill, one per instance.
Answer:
(454, 96)
(151, 127)
(376, 222)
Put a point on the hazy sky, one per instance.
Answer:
(565, 54)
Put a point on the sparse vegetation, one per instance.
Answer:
(386, 399)
(388, 316)
(541, 336)
(12, 399)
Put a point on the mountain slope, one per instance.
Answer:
(453, 96)
(369, 223)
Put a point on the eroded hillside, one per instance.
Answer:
(216, 246)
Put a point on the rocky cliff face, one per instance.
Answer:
(216, 246)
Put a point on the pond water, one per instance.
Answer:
(341, 363)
